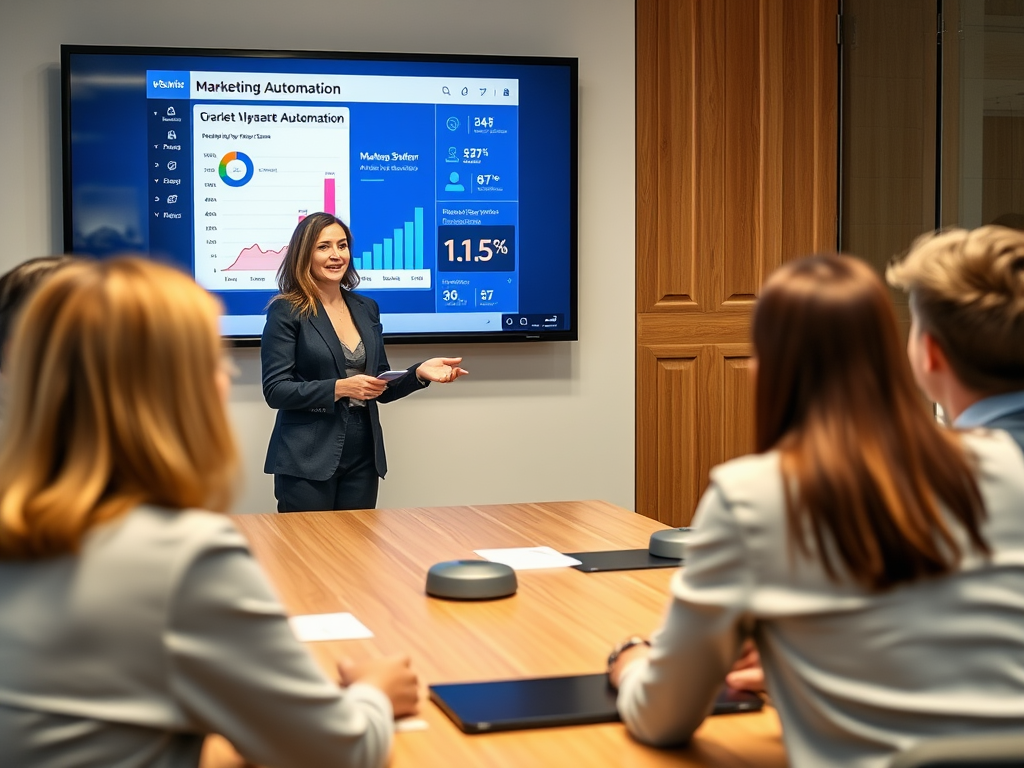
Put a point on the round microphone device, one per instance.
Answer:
(471, 580)
(670, 542)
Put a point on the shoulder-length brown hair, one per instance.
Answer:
(113, 403)
(294, 276)
(17, 285)
(867, 471)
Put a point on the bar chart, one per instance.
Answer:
(396, 261)
(330, 198)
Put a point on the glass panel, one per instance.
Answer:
(983, 115)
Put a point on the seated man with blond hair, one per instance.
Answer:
(966, 342)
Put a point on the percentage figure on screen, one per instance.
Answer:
(476, 248)
(484, 251)
(487, 178)
(474, 153)
(450, 294)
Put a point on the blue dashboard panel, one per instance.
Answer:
(457, 176)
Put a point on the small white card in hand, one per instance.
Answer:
(527, 558)
(328, 626)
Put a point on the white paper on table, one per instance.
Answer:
(528, 558)
(328, 626)
(410, 724)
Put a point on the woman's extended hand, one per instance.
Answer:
(441, 369)
(359, 387)
(393, 675)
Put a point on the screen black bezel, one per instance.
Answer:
(568, 334)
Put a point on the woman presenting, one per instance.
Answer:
(323, 349)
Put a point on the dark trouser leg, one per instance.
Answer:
(297, 494)
(357, 473)
(353, 485)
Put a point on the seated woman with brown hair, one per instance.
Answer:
(135, 621)
(17, 284)
(876, 560)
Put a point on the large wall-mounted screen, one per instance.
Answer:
(456, 174)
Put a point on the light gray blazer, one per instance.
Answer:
(162, 629)
(855, 675)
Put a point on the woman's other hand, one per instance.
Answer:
(219, 753)
(359, 387)
(393, 675)
(747, 674)
(626, 658)
(441, 369)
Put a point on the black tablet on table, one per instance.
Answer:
(622, 560)
(542, 702)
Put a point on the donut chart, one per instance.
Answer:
(236, 169)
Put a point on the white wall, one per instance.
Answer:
(533, 421)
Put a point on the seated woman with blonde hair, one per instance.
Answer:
(136, 621)
(876, 560)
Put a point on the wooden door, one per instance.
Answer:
(736, 172)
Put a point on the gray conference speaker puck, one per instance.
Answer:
(670, 543)
(471, 580)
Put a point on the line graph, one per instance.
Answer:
(255, 258)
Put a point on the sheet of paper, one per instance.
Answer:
(410, 724)
(528, 558)
(328, 626)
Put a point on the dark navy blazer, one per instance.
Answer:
(302, 358)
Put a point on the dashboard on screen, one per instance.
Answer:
(456, 174)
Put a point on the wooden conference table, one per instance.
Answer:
(373, 563)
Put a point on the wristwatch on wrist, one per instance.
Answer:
(625, 645)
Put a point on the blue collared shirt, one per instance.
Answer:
(988, 410)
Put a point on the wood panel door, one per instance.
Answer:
(737, 105)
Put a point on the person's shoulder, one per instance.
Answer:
(177, 532)
(996, 452)
(280, 307)
(280, 312)
(364, 301)
(987, 440)
(183, 522)
(153, 548)
(998, 463)
(749, 475)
